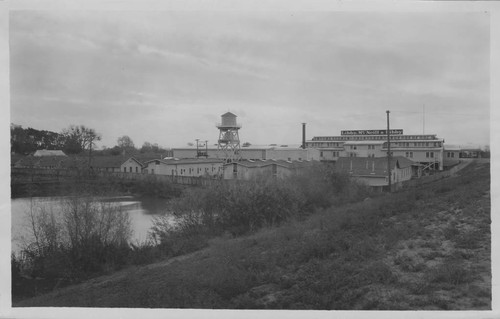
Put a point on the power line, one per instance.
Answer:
(443, 113)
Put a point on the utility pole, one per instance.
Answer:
(197, 148)
(389, 152)
(423, 119)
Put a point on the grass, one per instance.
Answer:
(350, 256)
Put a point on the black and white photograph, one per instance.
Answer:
(269, 156)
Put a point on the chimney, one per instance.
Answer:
(303, 135)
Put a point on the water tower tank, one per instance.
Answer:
(228, 120)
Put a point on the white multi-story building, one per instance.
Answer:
(426, 149)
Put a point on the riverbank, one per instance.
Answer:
(110, 186)
(427, 248)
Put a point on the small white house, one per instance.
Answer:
(131, 166)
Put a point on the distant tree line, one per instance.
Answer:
(72, 140)
(125, 145)
(75, 139)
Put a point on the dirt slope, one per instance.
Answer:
(424, 248)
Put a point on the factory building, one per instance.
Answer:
(426, 149)
(228, 147)
(258, 152)
(231, 160)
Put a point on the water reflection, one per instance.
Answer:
(141, 211)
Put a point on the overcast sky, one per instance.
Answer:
(166, 77)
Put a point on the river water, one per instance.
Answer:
(141, 212)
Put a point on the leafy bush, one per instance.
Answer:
(242, 207)
(86, 236)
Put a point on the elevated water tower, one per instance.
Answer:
(229, 141)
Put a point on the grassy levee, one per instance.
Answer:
(423, 248)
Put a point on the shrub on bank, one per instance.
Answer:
(85, 237)
(242, 207)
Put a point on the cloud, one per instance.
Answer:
(174, 73)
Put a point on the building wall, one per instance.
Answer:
(399, 175)
(416, 155)
(293, 154)
(363, 150)
(131, 166)
(330, 155)
(254, 154)
(452, 154)
(402, 174)
(184, 169)
(241, 172)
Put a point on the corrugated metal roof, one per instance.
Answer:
(53, 161)
(109, 161)
(262, 163)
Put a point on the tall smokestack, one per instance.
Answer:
(303, 135)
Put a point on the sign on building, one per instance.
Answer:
(372, 132)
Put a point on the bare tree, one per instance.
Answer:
(80, 138)
(76, 234)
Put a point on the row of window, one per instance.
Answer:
(324, 144)
(373, 137)
(182, 171)
(198, 170)
(354, 154)
(415, 144)
(355, 147)
(372, 147)
(450, 154)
